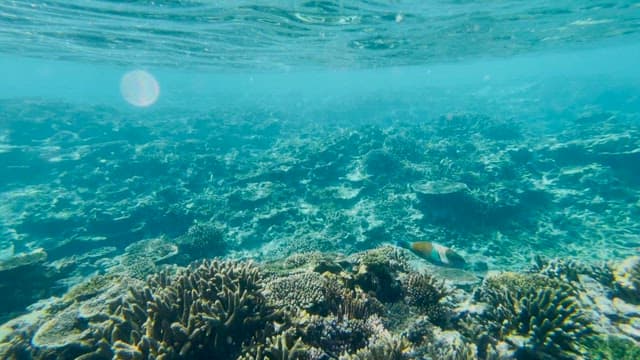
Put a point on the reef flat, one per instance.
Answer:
(90, 191)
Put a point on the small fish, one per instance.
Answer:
(435, 253)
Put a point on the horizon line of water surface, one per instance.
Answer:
(87, 83)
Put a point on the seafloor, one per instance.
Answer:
(95, 201)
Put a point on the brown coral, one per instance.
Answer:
(202, 240)
(308, 291)
(539, 320)
(426, 293)
(284, 346)
(357, 305)
(211, 308)
(377, 273)
(388, 348)
(627, 279)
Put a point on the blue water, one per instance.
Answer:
(311, 126)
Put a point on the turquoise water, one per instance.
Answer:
(329, 143)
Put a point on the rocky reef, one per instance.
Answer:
(296, 309)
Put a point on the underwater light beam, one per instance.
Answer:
(139, 88)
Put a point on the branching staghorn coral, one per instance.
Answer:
(540, 321)
(354, 304)
(211, 308)
(627, 279)
(425, 292)
(284, 346)
(569, 270)
(449, 345)
(388, 348)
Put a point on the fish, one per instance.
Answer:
(434, 253)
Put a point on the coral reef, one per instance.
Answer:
(278, 347)
(569, 270)
(246, 311)
(308, 291)
(612, 348)
(354, 304)
(335, 336)
(475, 182)
(321, 294)
(211, 308)
(449, 345)
(627, 279)
(16, 261)
(377, 272)
(538, 320)
(142, 258)
(425, 292)
(436, 343)
(24, 279)
(388, 348)
(202, 240)
(316, 261)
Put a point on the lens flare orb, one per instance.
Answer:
(139, 88)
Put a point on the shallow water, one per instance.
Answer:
(245, 35)
(503, 130)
